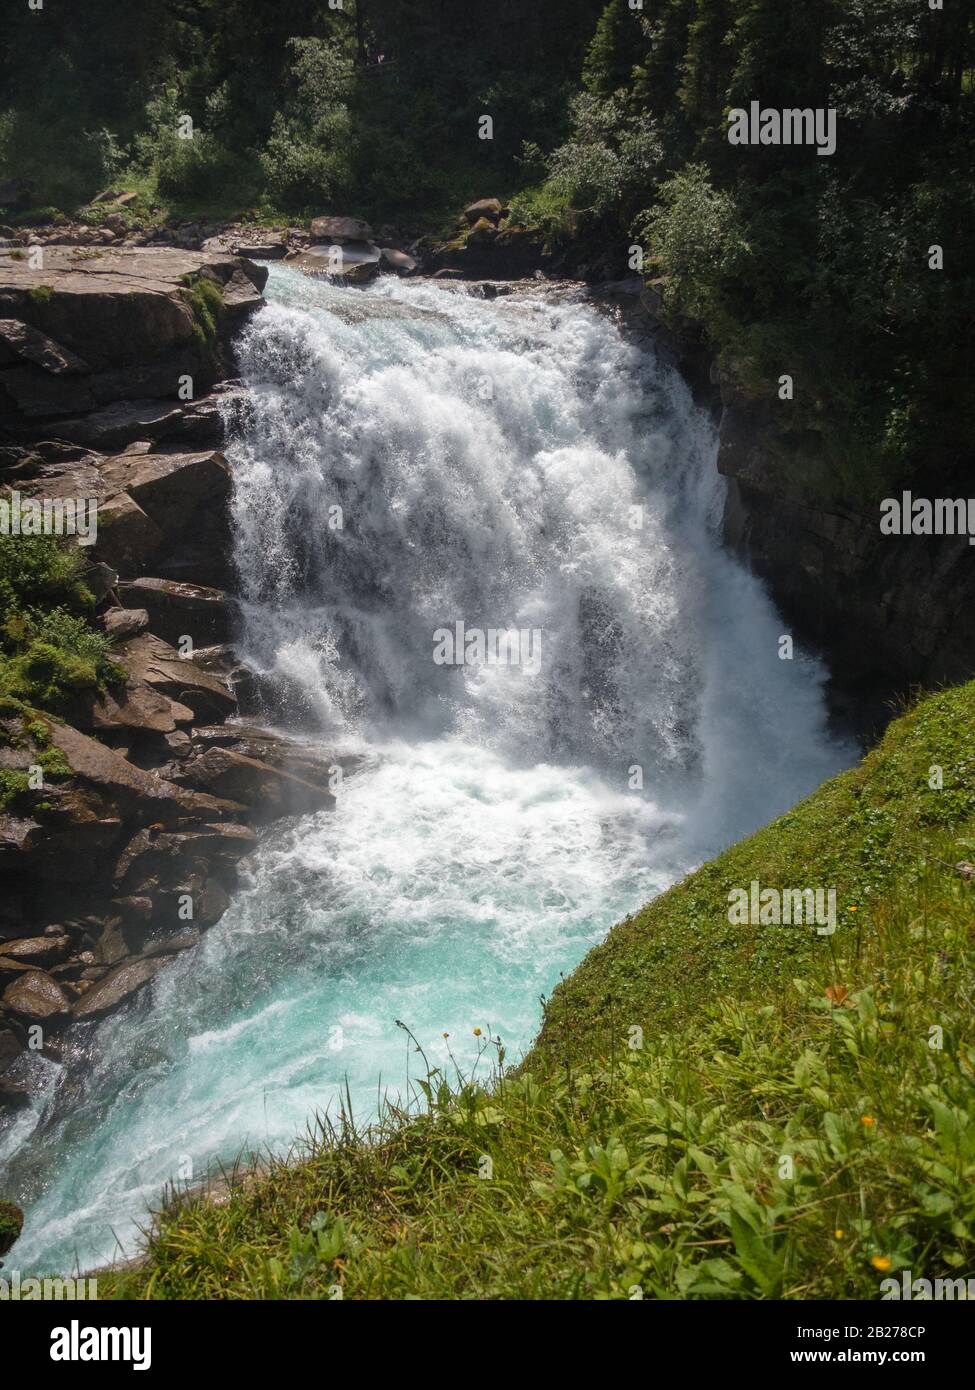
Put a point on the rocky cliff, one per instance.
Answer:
(113, 387)
(888, 612)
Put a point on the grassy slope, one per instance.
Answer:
(660, 1171)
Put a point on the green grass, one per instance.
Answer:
(49, 652)
(797, 1119)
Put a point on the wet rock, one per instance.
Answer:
(116, 987)
(267, 791)
(10, 1048)
(173, 945)
(37, 950)
(398, 261)
(35, 998)
(355, 262)
(13, 1096)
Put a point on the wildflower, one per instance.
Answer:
(446, 1035)
(881, 1262)
(839, 1233)
(867, 1121)
(477, 1032)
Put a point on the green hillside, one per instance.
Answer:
(796, 1123)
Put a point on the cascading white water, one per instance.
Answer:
(505, 464)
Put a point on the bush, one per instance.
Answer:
(48, 650)
(697, 238)
(41, 570)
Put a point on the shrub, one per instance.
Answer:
(41, 569)
(48, 650)
(697, 238)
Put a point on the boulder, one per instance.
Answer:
(127, 788)
(241, 296)
(167, 857)
(490, 209)
(114, 427)
(356, 262)
(117, 425)
(309, 763)
(398, 261)
(121, 623)
(340, 229)
(116, 987)
(170, 485)
(150, 660)
(127, 538)
(267, 791)
(20, 342)
(185, 495)
(37, 950)
(272, 250)
(483, 231)
(113, 324)
(138, 706)
(35, 998)
(179, 610)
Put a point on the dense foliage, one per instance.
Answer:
(793, 263)
(610, 129)
(299, 104)
(49, 652)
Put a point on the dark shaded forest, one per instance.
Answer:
(609, 130)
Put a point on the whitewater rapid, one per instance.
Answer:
(415, 457)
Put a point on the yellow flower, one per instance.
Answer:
(881, 1262)
(839, 1234)
(853, 909)
(446, 1035)
(867, 1121)
(477, 1032)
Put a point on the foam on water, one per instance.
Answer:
(513, 463)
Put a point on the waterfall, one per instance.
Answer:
(415, 458)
